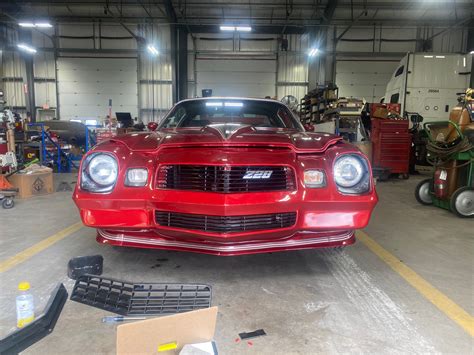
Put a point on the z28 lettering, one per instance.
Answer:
(258, 174)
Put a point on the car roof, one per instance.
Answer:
(231, 98)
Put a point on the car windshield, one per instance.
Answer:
(256, 113)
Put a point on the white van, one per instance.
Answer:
(427, 83)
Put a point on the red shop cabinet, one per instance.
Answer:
(391, 144)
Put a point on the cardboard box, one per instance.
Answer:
(170, 332)
(34, 184)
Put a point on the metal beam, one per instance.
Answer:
(329, 11)
(182, 63)
(29, 80)
(172, 18)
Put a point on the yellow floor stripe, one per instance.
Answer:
(38, 247)
(440, 300)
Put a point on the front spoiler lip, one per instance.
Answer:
(287, 244)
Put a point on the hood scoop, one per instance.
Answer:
(228, 130)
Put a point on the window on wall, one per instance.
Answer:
(399, 71)
(394, 98)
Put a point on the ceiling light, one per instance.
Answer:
(214, 104)
(427, 56)
(313, 51)
(26, 48)
(227, 28)
(43, 24)
(26, 24)
(244, 28)
(440, 56)
(233, 104)
(152, 49)
(36, 24)
(471, 52)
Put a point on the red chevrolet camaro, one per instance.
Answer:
(226, 176)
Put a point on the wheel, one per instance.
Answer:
(462, 202)
(422, 192)
(8, 203)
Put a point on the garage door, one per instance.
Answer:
(364, 79)
(85, 86)
(236, 77)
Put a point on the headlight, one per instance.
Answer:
(136, 177)
(351, 174)
(314, 178)
(99, 173)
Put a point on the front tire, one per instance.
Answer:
(422, 192)
(462, 202)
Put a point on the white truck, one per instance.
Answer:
(427, 83)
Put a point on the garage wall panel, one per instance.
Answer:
(85, 86)
(237, 77)
(13, 76)
(156, 96)
(76, 36)
(364, 79)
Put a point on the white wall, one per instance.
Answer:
(156, 74)
(364, 79)
(237, 77)
(85, 86)
(247, 65)
(362, 66)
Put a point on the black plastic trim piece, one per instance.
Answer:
(140, 299)
(254, 334)
(22, 338)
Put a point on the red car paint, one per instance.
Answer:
(325, 217)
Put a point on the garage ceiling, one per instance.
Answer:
(286, 15)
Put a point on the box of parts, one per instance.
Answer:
(170, 334)
(33, 183)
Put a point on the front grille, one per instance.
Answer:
(225, 224)
(226, 179)
(127, 298)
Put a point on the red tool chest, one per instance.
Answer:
(391, 144)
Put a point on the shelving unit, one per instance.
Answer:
(318, 103)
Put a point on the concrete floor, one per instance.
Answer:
(315, 301)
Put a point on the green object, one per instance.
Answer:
(461, 201)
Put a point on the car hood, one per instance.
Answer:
(246, 136)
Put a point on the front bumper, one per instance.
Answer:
(297, 241)
(318, 223)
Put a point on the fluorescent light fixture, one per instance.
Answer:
(427, 56)
(227, 28)
(36, 24)
(26, 48)
(233, 104)
(244, 28)
(313, 51)
(152, 49)
(440, 56)
(214, 104)
(471, 52)
(26, 24)
(43, 24)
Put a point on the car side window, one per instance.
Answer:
(174, 120)
(394, 98)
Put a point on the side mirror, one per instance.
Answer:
(152, 126)
(308, 127)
